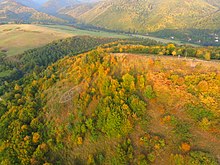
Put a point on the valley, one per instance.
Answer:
(17, 38)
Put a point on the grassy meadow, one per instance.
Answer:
(15, 39)
(75, 31)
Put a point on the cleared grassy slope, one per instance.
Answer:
(15, 39)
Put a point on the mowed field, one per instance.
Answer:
(15, 39)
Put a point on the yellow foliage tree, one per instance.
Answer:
(36, 137)
(207, 56)
(79, 140)
(174, 53)
(203, 86)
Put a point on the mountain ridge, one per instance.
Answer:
(12, 10)
(147, 15)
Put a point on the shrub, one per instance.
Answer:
(201, 158)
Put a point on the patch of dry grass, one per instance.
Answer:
(15, 38)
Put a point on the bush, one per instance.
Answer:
(149, 93)
(201, 158)
(199, 113)
(182, 131)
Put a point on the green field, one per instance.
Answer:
(75, 31)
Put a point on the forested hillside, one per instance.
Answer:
(83, 82)
(39, 58)
(150, 15)
(117, 104)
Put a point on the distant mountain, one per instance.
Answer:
(29, 3)
(12, 11)
(53, 6)
(148, 15)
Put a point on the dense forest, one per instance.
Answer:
(39, 58)
(122, 103)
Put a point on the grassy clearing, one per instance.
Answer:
(15, 39)
(72, 30)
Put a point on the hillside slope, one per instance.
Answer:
(17, 38)
(76, 10)
(12, 11)
(104, 107)
(148, 15)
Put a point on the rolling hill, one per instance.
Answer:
(13, 11)
(149, 15)
(15, 39)
(114, 106)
